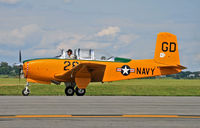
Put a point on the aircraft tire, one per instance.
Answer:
(80, 92)
(25, 92)
(69, 91)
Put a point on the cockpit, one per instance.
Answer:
(87, 54)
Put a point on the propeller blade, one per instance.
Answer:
(20, 56)
(20, 66)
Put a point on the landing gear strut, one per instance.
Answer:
(26, 91)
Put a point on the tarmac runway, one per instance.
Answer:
(99, 111)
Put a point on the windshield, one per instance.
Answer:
(103, 55)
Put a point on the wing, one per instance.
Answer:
(83, 74)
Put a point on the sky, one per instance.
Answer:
(125, 28)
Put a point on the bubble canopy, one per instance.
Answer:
(88, 54)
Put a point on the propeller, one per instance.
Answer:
(20, 56)
(20, 67)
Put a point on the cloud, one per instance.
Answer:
(197, 58)
(125, 40)
(95, 45)
(110, 31)
(70, 41)
(128, 38)
(39, 42)
(25, 31)
(19, 36)
(43, 52)
(67, 1)
(10, 1)
(4, 52)
(52, 41)
(81, 41)
(57, 39)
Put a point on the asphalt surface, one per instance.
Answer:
(99, 111)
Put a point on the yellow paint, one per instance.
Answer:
(42, 116)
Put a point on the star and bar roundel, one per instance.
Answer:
(125, 70)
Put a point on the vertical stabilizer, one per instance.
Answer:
(166, 51)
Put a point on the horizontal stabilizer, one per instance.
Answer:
(182, 67)
(172, 66)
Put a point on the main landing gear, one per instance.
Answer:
(26, 91)
(69, 90)
(80, 92)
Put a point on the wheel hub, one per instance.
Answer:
(26, 92)
(70, 91)
(80, 90)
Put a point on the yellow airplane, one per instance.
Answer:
(78, 73)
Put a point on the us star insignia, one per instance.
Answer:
(125, 70)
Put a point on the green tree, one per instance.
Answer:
(5, 69)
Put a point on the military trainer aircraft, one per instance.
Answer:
(77, 73)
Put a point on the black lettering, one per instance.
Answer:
(164, 49)
(172, 47)
(74, 63)
(138, 70)
(152, 70)
(143, 71)
(68, 64)
(147, 71)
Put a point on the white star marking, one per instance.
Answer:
(125, 70)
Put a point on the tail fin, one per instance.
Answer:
(166, 51)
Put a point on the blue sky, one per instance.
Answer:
(126, 28)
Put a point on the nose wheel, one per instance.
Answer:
(25, 92)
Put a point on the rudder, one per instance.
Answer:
(166, 51)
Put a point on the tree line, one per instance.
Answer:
(12, 71)
(185, 75)
(6, 69)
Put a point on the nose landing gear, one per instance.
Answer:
(26, 91)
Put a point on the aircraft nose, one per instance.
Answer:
(25, 69)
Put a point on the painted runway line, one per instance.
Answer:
(98, 116)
